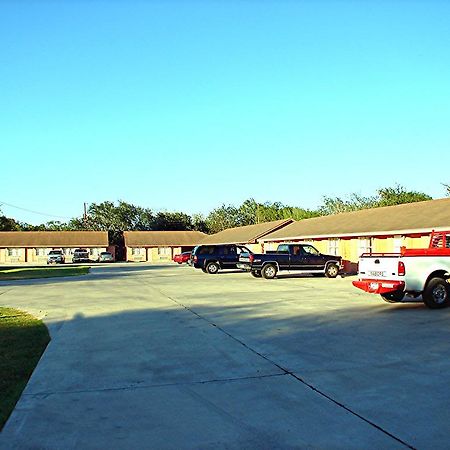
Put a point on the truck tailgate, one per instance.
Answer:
(379, 273)
(379, 267)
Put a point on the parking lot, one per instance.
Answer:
(146, 356)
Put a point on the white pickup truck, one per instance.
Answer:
(412, 272)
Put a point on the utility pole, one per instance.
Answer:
(85, 214)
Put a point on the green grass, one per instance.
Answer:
(23, 339)
(42, 272)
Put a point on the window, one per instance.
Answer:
(364, 245)
(283, 248)
(41, 251)
(137, 251)
(310, 250)
(13, 251)
(296, 250)
(333, 247)
(206, 250)
(164, 251)
(229, 250)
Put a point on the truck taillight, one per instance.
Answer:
(251, 257)
(401, 269)
(195, 259)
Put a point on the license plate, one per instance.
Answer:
(377, 273)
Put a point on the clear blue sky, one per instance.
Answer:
(179, 105)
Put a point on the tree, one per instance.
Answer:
(398, 195)
(8, 224)
(338, 205)
(222, 218)
(388, 196)
(447, 188)
(175, 221)
(199, 223)
(107, 216)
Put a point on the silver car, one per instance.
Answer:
(105, 257)
(56, 257)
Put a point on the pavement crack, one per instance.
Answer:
(132, 387)
(290, 373)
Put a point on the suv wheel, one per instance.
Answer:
(212, 268)
(256, 273)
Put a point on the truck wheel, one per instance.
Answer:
(256, 273)
(436, 293)
(269, 271)
(212, 268)
(332, 271)
(393, 297)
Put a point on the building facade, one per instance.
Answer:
(34, 246)
(159, 246)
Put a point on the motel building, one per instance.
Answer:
(385, 229)
(34, 246)
(159, 246)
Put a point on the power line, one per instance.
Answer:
(34, 212)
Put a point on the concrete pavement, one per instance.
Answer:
(167, 357)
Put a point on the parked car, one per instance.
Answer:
(296, 257)
(80, 255)
(56, 257)
(105, 257)
(182, 257)
(212, 258)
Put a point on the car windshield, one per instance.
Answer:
(105, 253)
(55, 252)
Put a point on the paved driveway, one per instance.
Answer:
(168, 357)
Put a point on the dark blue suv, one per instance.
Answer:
(212, 258)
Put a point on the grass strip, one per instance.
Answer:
(42, 272)
(23, 339)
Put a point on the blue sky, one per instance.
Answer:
(179, 105)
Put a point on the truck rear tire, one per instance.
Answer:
(393, 297)
(256, 273)
(269, 271)
(436, 293)
(332, 271)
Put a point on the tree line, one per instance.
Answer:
(116, 217)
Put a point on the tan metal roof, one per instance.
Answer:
(53, 239)
(163, 238)
(410, 217)
(247, 234)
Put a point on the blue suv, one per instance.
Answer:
(212, 258)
